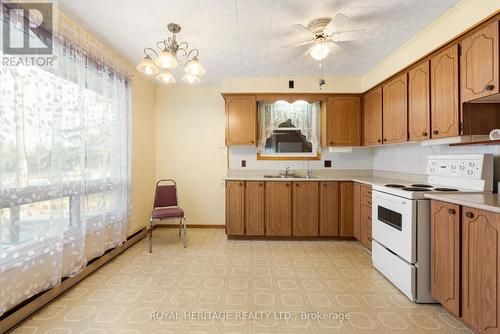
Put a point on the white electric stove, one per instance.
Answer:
(401, 219)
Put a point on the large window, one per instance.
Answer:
(289, 129)
(64, 169)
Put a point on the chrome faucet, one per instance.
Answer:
(309, 173)
(287, 170)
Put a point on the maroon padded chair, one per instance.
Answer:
(166, 206)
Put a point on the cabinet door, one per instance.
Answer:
(395, 110)
(366, 226)
(357, 211)
(278, 208)
(419, 102)
(254, 208)
(481, 269)
(372, 117)
(479, 63)
(346, 209)
(444, 93)
(235, 208)
(343, 121)
(241, 120)
(305, 208)
(329, 209)
(445, 253)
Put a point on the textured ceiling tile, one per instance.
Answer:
(245, 37)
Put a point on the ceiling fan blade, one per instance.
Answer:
(350, 35)
(339, 21)
(297, 44)
(302, 29)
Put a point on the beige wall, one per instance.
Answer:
(143, 150)
(190, 148)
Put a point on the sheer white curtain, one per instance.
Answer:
(303, 115)
(64, 169)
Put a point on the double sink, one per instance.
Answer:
(289, 176)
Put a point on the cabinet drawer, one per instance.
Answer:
(365, 200)
(366, 191)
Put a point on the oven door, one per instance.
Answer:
(394, 222)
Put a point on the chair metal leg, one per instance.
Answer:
(185, 230)
(151, 237)
(180, 226)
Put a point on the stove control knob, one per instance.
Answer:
(471, 164)
(469, 172)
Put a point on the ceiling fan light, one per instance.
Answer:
(165, 77)
(166, 60)
(190, 79)
(194, 67)
(147, 66)
(319, 51)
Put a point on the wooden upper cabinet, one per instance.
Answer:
(278, 208)
(241, 120)
(329, 209)
(343, 121)
(444, 93)
(346, 209)
(305, 208)
(481, 269)
(235, 207)
(395, 110)
(254, 208)
(445, 255)
(419, 102)
(372, 117)
(479, 63)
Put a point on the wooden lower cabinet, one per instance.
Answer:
(305, 208)
(465, 264)
(235, 207)
(329, 209)
(445, 255)
(254, 208)
(346, 209)
(278, 208)
(481, 269)
(366, 226)
(357, 210)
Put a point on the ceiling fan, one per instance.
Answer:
(323, 32)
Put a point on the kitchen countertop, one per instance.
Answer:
(488, 201)
(365, 179)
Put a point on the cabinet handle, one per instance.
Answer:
(385, 139)
(241, 183)
(424, 133)
(296, 184)
(435, 132)
(379, 140)
(260, 184)
(469, 214)
(451, 211)
(252, 141)
(489, 87)
(288, 184)
(331, 143)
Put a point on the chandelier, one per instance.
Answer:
(168, 55)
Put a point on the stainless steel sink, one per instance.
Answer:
(289, 176)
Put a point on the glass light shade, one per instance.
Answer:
(190, 78)
(194, 67)
(320, 50)
(165, 77)
(166, 60)
(147, 66)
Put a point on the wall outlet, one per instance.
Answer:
(243, 163)
(328, 163)
(291, 84)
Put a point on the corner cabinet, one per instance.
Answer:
(444, 93)
(343, 121)
(241, 120)
(395, 110)
(372, 117)
(479, 68)
(465, 264)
